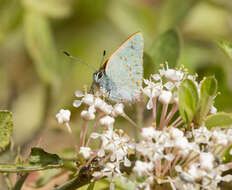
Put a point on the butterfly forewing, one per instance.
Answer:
(125, 69)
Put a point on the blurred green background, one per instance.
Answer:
(37, 79)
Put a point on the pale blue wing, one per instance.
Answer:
(125, 69)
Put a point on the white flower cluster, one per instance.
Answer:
(183, 158)
(170, 150)
(96, 103)
(117, 146)
(163, 86)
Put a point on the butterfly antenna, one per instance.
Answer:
(103, 58)
(79, 60)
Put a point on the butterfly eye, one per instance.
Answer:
(99, 76)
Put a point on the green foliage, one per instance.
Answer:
(219, 119)
(226, 156)
(6, 128)
(226, 47)
(40, 157)
(174, 11)
(188, 100)
(148, 66)
(166, 48)
(9, 22)
(91, 186)
(50, 8)
(40, 45)
(207, 94)
(39, 160)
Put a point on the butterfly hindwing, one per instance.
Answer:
(125, 69)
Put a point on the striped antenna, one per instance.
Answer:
(79, 60)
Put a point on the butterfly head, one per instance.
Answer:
(98, 81)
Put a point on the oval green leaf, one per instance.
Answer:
(166, 48)
(219, 119)
(188, 100)
(207, 94)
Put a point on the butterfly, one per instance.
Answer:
(120, 77)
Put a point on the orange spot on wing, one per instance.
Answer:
(125, 59)
(120, 57)
(138, 82)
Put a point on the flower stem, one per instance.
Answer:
(154, 100)
(163, 114)
(171, 114)
(83, 132)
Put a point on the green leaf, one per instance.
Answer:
(51, 8)
(10, 17)
(207, 95)
(166, 48)
(6, 128)
(226, 156)
(219, 119)
(188, 100)
(226, 48)
(41, 47)
(40, 157)
(148, 65)
(91, 186)
(174, 11)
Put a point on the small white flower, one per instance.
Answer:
(143, 168)
(85, 152)
(207, 160)
(230, 151)
(118, 109)
(165, 97)
(127, 162)
(176, 133)
(148, 132)
(173, 75)
(107, 121)
(88, 99)
(169, 85)
(201, 135)
(182, 143)
(213, 110)
(79, 94)
(101, 153)
(77, 103)
(156, 77)
(103, 106)
(63, 116)
(94, 135)
(87, 115)
(219, 137)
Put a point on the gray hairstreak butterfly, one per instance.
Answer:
(120, 77)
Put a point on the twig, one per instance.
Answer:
(20, 181)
